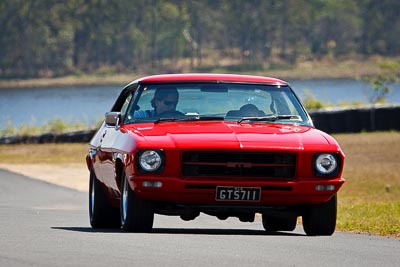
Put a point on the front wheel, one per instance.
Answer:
(320, 219)
(101, 214)
(137, 215)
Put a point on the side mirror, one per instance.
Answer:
(113, 118)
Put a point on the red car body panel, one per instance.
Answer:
(175, 137)
(202, 77)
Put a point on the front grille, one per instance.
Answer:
(268, 165)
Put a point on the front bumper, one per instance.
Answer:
(203, 192)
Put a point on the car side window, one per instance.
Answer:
(126, 104)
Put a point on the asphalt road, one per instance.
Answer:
(47, 225)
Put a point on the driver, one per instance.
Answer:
(165, 100)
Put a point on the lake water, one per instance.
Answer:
(36, 106)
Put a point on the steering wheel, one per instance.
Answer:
(172, 113)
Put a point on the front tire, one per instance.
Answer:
(101, 214)
(321, 219)
(137, 215)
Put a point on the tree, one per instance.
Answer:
(52, 38)
(380, 87)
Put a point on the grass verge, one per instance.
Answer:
(369, 201)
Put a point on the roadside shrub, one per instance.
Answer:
(310, 102)
(56, 126)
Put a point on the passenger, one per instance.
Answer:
(250, 110)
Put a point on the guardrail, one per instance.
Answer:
(70, 137)
(354, 120)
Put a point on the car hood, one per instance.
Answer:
(227, 135)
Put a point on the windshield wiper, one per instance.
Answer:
(190, 118)
(206, 118)
(167, 119)
(271, 118)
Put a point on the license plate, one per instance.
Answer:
(232, 193)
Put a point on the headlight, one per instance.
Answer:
(326, 164)
(151, 160)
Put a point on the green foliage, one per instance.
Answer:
(105, 71)
(364, 218)
(351, 104)
(380, 87)
(9, 129)
(55, 38)
(391, 65)
(56, 126)
(310, 102)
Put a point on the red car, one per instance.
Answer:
(225, 145)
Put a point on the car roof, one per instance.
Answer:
(209, 77)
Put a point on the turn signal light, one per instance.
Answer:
(152, 184)
(321, 187)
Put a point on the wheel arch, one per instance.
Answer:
(90, 158)
(119, 169)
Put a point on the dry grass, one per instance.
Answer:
(43, 153)
(352, 69)
(85, 80)
(369, 201)
(371, 167)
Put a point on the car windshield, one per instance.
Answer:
(215, 101)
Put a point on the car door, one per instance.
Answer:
(106, 146)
